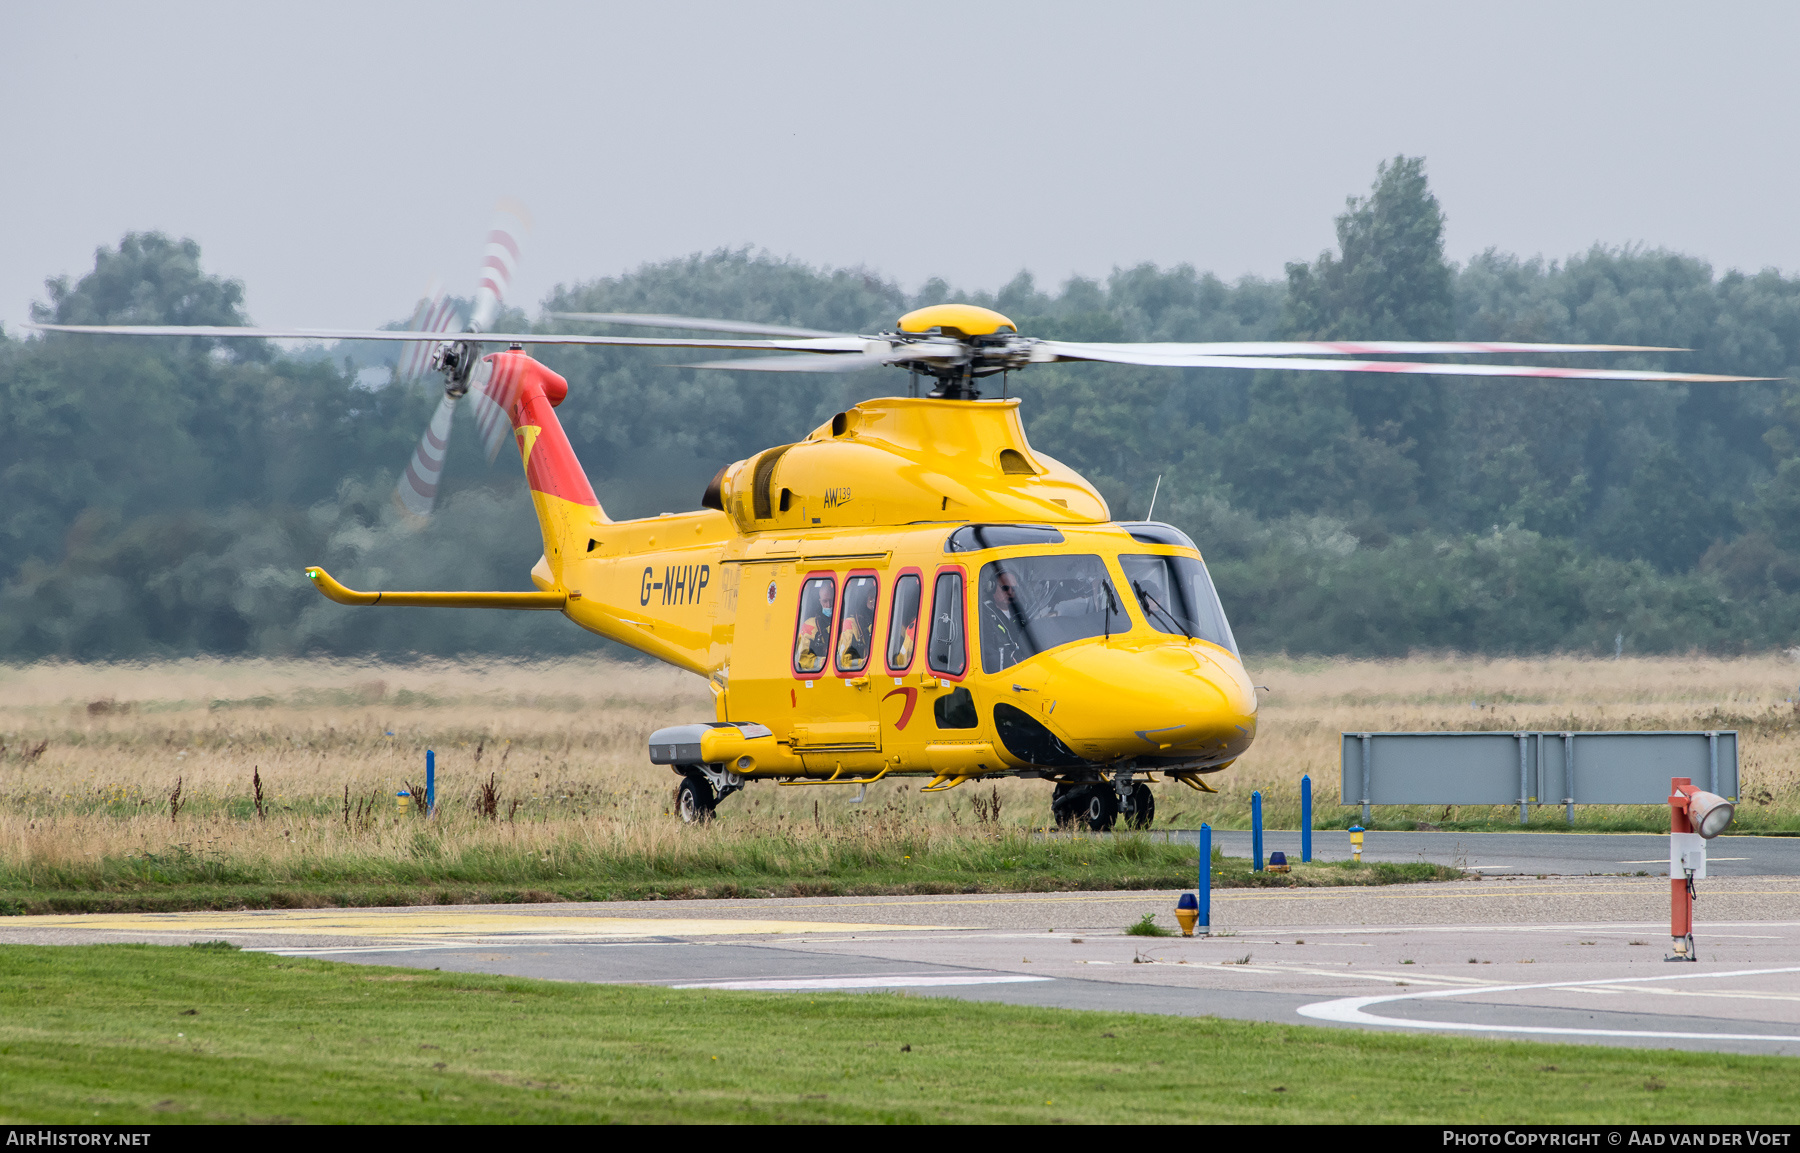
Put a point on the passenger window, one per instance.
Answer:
(948, 650)
(903, 624)
(812, 635)
(856, 624)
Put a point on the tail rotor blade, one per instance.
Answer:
(490, 399)
(499, 261)
(436, 313)
(417, 490)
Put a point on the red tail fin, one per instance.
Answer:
(528, 392)
(566, 506)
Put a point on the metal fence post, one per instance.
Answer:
(1524, 816)
(1537, 784)
(1306, 817)
(1569, 776)
(430, 783)
(1203, 893)
(1712, 750)
(1365, 791)
(1256, 830)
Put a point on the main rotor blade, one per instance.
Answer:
(845, 362)
(1063, 351)
(826, 344)
(694, 323)
(1363, 348)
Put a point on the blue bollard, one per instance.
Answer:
(430, 783)
(1204, 896)
(1256, 830)
(1306, 818)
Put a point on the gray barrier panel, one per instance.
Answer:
(1534, 767)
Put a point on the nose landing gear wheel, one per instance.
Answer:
(694, 800)
(1063, 803)
(1140, 810)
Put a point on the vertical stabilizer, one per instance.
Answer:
(566, 506)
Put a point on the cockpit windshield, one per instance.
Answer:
(1177, 596)
(1031, 604)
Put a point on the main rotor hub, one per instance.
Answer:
(956, 320)
(957, 344)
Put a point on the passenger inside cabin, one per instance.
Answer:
(813, 640)
(859, 624)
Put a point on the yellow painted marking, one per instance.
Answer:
(409, 923)
(1335, 893)
(527, 441)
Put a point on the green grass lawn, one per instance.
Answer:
(1016, 862)
(130, 1033)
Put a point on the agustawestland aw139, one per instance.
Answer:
(911, 589)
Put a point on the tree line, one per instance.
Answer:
(162, 497)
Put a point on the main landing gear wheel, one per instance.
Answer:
(1100, 808)
(694, 800)
(1095, 806)
(1140, 810)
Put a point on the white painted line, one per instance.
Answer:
(1349, 1010)
(921, 980)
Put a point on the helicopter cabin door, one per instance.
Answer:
(840, 720)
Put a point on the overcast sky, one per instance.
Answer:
(335, 157)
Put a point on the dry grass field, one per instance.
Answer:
(119, 775)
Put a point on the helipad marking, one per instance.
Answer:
(1349, 1010)
(429, 923)
(922, 980)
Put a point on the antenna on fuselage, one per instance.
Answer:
(1151, 515)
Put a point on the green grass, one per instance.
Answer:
(1146, 926)
(127, 1034)
(786, 865)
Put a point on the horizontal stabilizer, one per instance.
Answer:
(332, 590)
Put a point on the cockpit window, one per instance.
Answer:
(1031, 604)
(975, 537)
(1177, 596)
(947, 651)
(1156, 532)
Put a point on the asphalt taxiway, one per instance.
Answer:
(1577, 958)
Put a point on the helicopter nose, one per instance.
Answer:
(1166, 701)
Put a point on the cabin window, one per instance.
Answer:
(948, 650)
(1030, 604)
(1177, 596)
(856, 624)
(812, 634)
(903, 623)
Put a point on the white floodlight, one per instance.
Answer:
(1709, 813)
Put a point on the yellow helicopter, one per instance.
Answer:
(912, 590)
